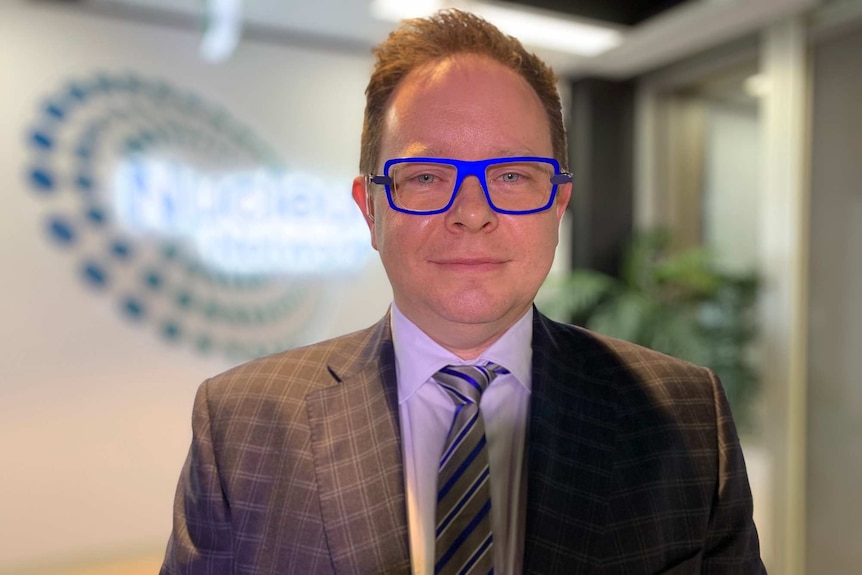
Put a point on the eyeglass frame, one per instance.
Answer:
(465, 168)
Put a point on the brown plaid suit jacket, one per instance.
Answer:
(634, 466)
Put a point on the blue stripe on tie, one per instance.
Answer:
(463, 537)
(485, 371)
(476, 485)
(477, 555)
(456, 442)
(463, 376)
(499, 370)
(464, 399)
(460, 471)
(454, 420)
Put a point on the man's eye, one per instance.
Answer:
(510, 177)
(422, 179)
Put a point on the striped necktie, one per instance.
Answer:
(465, 543)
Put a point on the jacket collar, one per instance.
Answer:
(570, 446)
(356, 442)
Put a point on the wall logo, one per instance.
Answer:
(187, 220)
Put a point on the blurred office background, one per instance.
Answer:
(176, 198)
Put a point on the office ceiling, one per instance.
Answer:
(655, 32)
(622, 12)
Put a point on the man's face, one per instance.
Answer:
(466, 275)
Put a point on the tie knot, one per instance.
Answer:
(465, 383)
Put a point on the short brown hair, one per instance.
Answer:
(447, 33)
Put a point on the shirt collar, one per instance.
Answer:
(418, 357)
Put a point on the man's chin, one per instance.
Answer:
(483, 312)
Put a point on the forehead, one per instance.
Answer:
(465, 101)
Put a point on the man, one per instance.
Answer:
(590, 455)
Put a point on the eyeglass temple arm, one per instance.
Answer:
(561, 178)
(380, 180)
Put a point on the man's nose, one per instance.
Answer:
(471, 209)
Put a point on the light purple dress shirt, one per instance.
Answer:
(426, 413)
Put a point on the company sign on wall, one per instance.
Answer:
(185, 219)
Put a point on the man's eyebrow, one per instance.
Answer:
(513, 152)
(420, 150)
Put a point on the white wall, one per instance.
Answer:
(731, 184)
(95, 411)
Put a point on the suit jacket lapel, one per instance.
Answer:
(355, 438)
(569, 456)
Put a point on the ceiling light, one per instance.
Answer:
(396, 10)
(545, 30)
(756, 85)
(222, 23)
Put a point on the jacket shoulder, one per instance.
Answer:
(621, 367)
(295, 372)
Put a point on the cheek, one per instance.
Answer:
(540, 238)
(391, 239)
(403, 233)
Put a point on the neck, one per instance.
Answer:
(467, 340)
(466, 348)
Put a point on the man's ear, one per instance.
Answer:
(365, 203)
(564, 194)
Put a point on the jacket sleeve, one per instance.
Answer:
(732, 545)
(201, 542)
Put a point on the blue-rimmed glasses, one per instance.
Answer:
(517, 185)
